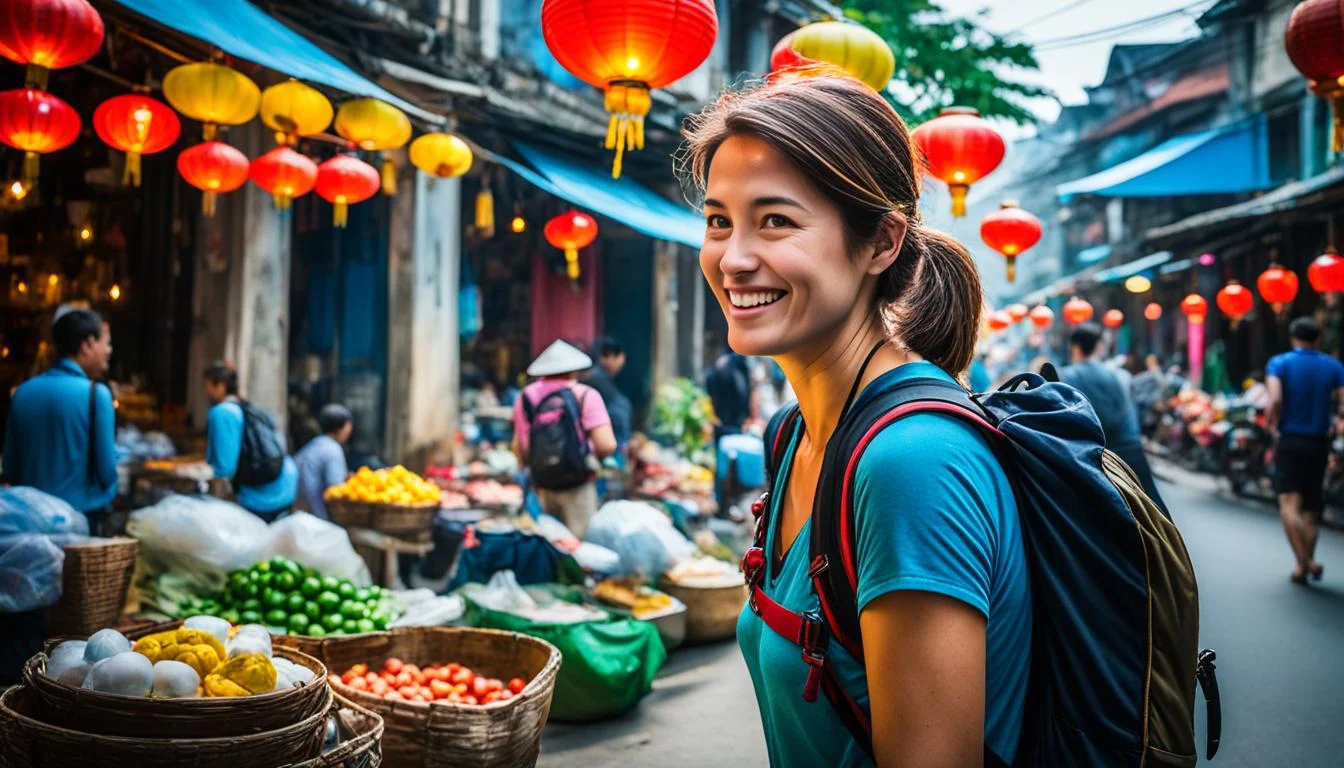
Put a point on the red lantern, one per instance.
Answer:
(627, 48)
(212, 167)
(49, 34)
(1235, 301)
(1278, 286)
(284, 173)
(1000, 321)
(344, 180)
(1018, 312)
(1010, 231)
(1326, 273)
(1077, 311)
(1113, 318)
(1315, 44)
(959, 148)
(137, 125)
(36, 123)
(1195, 308)
(1153, 311)
(1042, 317)
(570, 232)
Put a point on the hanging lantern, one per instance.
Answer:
(1153, 311)
(1018, 312)
(1077, 311)
(1195, 308)
(1041, 317)
(1138, 284)
(627, 48)
(1113, 319)
(212, 94)
(570, 232)
(49, 34)
(1315, 44)
(1235, 301)
(1010, 231)
(374, 125)
(36, 123)
(343, 181)
(959, 148)
(1000, 321)
(284, 173)
(441, 155)
(1326, 273)
(137, 125)
(293, 109)
(212, 167)
(854, 48)
(1278, 286)
(485, 211)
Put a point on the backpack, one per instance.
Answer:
(262, 457)
(557, 454)
(1115, 607)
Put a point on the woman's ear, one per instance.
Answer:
(891, 234)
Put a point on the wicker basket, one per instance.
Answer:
(360, 736)
(711, 612)
(411, 523)
(130, 716)
(97, 575)
(29, 740)
(500, 735)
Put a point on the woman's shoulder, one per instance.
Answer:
(927, 440)
(226, 410)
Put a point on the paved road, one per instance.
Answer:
(1280, 649)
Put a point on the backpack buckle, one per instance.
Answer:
(819, 565)
(815, 638)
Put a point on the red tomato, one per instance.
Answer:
(452, 668)
(462, 677)
(516, 685)
(347, 677)
(494, 685)
(491, 697)
(378, 687)
(419, 678)
(393, 696)
(394, 665)
(479, 687)
(411, 669)
(370, 677)
(453, 698)
(469, 700)
(359, 670)
(440, 689)
(506, 695)
(388, 678)
(404, 679)
(408, 691)
(359, 684)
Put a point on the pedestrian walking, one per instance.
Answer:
(1146, 391)
(728, 384)
(1303, 386)
(322, 463)
(561, 429)
(610, 363)
(1109, 396)
(61, 435)
(243, 445)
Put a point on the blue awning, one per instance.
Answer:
(1223, 161)
(240, 28)
(621, 199)
(1094, 254)
(1132, 268)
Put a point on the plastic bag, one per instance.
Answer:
(423, 608)
(30, 573)
(27, 510)
(643, 536)
(204, 536)
(597, 558)
(504, 595)
(317, 544)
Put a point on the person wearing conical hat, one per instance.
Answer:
(563, 459)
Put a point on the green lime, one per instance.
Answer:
(237, 578)
(364, 625)
(330, 583)
(298, 624)
(296, 603)
(310, 587)
(273, 598)
(363, 595)
(277, 617)
(353, 610)
(251, 604)
(289, 566)
(311, 573)
(332, 621)
(349, 626)
(379, 622)
(329, 601)
(262, 567)
(316, 630)
(312, 610)
(230, 616)
(346, 590)
(208, 607)
(249, 617)
(266, 579)
(285, 581)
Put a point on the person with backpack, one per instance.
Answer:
(905, 606)
(561, 429)
(244, 445)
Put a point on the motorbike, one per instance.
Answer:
(1334, 474)
(1249, 452)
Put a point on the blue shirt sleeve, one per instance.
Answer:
(224, 439)
(1275, 367)
(105, 451)
(334, 468)
(929, 496)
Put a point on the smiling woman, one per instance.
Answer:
(815, 251)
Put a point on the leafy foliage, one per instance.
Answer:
(683, 417)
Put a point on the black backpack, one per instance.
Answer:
(557, 455)
(1115, 606)
(262, 457)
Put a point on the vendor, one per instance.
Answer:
(610, 363)
(322, 461)
(224, 447)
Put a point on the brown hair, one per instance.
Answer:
(850, 142)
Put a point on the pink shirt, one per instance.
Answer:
(592, 410)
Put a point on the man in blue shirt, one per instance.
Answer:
(61, 436)
(1302, 386)
(610, 362)
(224, 448)
(322, 461)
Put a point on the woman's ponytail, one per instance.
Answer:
(931, 299)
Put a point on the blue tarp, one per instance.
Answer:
(240, 28)
(1132, 268)
(1094, 254)
(1222, 161)
(624, 200)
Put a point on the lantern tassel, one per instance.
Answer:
(282, 201)
(958, 198)
(209, 203)
(572, 263)
(612, 124)
(342, 215)
(389, 177)
(30, 160)
(130, 174)
(1012, 268)
(36, 77)
(622, 124)
(485, 212)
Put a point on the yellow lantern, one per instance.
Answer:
(371, 124)
(213, 94)
(852, 47)
(293, 109)
(441, 155)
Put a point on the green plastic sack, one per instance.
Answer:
(606, 667)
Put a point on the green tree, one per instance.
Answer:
(942, 60)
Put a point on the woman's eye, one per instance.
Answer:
(776, 221)
(717, 221)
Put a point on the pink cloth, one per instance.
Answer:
(592, 409)
(563, 308)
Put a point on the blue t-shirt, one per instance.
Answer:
(224, 445)
(933, 512)
(1310, 378)
(321, 465)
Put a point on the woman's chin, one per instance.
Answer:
(755, 342)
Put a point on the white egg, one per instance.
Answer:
(174, 680)
(126, 674)
(212, 624)
(66, 656)
(105, 644)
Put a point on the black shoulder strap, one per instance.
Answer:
(777, 440)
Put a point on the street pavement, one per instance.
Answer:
(1280, 659)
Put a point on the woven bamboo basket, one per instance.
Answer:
(131, 716)
(29, 740)
(93, 587)
(711, 612)
(499, 735)
(410, 523)
(359, 739)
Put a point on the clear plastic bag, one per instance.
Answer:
(317, 544)
(30, 573)
(204, 536)
(643, 536)
(26, 510)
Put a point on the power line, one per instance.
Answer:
(1046, 17)
(1119, 29)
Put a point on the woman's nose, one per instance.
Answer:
(739, 257)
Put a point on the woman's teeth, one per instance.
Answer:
(756, 299)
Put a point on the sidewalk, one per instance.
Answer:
(1213, 485)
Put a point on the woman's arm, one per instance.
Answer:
(925, 659)
(223, 440)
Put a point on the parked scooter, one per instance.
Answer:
(1249, 455)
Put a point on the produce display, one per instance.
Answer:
(453, 683)
(492, 493)
(704, 572)
(288, 598)
(633, 596)
(683, 478)
(397, 485)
